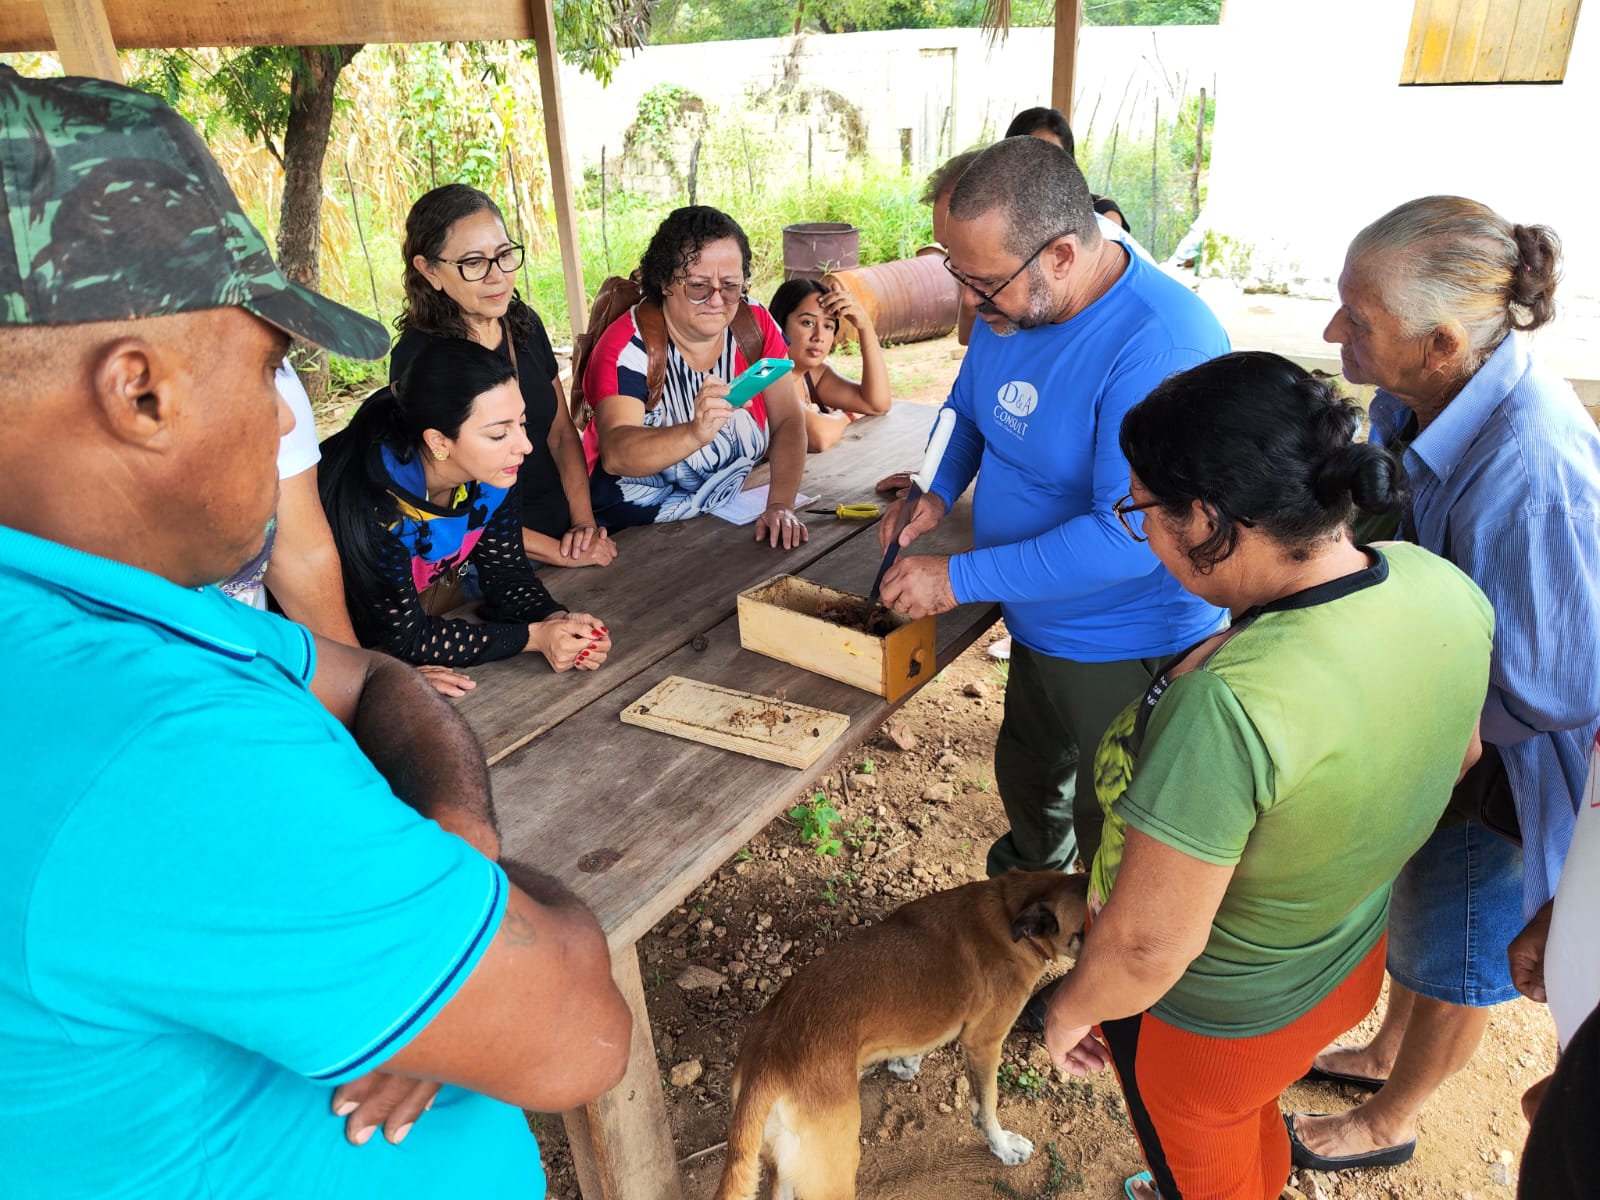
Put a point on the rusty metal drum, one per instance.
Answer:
(909, 300)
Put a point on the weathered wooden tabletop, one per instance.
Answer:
(671, 582)
(633, 820)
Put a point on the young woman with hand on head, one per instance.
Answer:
(424, 481)
(459, 283)
(809, 313)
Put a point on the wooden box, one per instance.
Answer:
(781, 619)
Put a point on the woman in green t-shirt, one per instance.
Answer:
(1262, 795)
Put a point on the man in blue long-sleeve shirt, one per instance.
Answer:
(1075, 331)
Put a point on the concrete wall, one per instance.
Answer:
(1316, 138)
(949, 87)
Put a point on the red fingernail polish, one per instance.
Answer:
(598, 632)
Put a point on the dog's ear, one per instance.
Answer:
(1035, 920)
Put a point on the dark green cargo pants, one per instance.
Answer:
(1056, 712)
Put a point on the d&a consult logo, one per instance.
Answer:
(1016, 400)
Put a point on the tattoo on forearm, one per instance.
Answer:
(517, 930)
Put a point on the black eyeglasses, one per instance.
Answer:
(476, 267)
(698, 291)
(988, 297)
(1125, 506)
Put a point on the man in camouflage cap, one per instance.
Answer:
(233, 914)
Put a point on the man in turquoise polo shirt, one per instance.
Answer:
(250, 914)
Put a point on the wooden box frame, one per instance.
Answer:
(778, 618)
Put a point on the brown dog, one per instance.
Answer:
(959, 963)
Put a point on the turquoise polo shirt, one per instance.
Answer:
(213, 910)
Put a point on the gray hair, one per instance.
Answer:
(1036, 185)
(1447, 258)
(945, 176)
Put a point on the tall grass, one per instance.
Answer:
(392, 141)
(882, 204)
(1151, 174)
(412, 117)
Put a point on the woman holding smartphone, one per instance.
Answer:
(666, 445)
(810, 312)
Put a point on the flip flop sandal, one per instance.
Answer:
(1141, 1177)
(1384, 1156)
(1364, 1082)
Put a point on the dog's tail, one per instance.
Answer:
(741, 1167)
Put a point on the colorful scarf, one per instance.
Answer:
(439, 539)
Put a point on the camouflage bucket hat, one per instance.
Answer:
(111, 207)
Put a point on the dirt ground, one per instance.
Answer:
(918, 809)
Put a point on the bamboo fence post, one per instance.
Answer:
(355, 211)
(1155, 146)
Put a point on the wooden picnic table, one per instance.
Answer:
(634, 820)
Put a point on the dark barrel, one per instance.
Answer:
(812, 249)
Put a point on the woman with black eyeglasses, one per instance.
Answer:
(665, 444)
(1264, 792)
(460, 282)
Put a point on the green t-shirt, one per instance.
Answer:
(1314, 752)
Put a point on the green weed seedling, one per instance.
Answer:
(817, 821)
(864, 830)
(1026, 1081)
(1057, 1182)
(867, 767)
(1002, 671)
(830, 886)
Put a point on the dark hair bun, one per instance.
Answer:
(1361, 472)
(1261, 443)
(1533, 286)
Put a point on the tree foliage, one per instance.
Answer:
(1152, 12)
(285, 97)
(677, 21)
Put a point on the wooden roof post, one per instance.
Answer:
(555, 140)
(1069, 13)
(83, 38)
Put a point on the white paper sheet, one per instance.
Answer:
(749, 504)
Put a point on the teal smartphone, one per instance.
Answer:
(755, 379)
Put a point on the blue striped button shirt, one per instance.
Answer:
(1506, 484)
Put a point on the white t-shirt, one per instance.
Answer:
(1110, 229)
(297, 451)
(1572, 955)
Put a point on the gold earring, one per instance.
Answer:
(441, 455)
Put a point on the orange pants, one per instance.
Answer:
(1206, 1108)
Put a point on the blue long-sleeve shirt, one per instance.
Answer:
(1038, 416)
(1506, 484)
